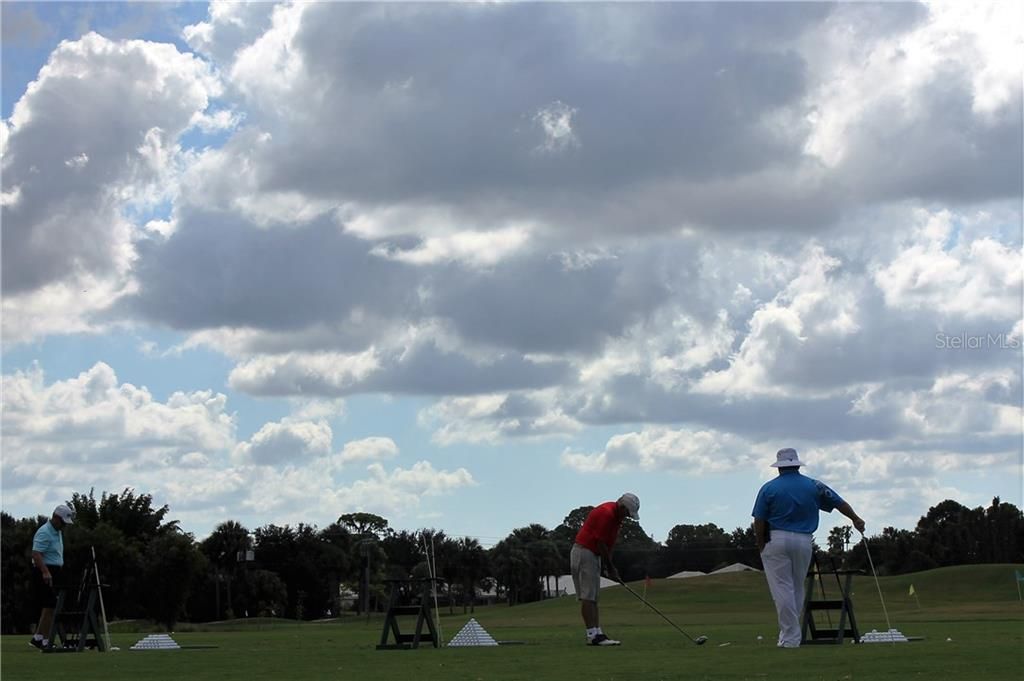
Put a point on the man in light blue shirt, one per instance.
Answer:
(48, 560)
(785, 518)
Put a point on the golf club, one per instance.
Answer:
(700, 640)
(877, 585)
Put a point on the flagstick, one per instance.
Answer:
(918, 600)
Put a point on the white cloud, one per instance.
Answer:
(683, 451)
(981, 405)
(940, 270)
(231, 25)
(294, 373)
(537, 242)
(273, 54)
(493, 418)
(61, 308)
(286, 442)
(296, 494)
(555, 121)
(216, 121)
(94, 418)
(479, 249)
(92, 431)
(78, 174)
(230, 179)
(369, 449)
(861, 72)
(77, 162)
(399, 489)
(313, 409)
(814, 304)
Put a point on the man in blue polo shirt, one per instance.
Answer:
(785, 518)
(48, 559)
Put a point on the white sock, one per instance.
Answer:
(37, 637)
(592, 632)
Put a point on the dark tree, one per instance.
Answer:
(172, 566)
(363, 524)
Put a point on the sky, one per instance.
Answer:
(472, 266)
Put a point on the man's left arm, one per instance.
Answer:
(848, 511)
(828, 499)
(606, 556)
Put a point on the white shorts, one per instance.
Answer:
(585, 566)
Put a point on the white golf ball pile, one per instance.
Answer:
(156, 642)
(891, 636)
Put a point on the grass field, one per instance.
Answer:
(975, 606)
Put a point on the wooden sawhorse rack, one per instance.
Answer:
(423, 613)
(74, 630)
(847, 625)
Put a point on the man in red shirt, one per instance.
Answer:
(594, 542)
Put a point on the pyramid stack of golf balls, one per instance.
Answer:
(891, 636)
(156, 642)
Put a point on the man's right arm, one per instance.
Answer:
(760, 533)
(37, 558)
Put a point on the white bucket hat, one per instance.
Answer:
(787, 458)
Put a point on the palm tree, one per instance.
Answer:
(471, 561)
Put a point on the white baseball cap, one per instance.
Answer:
(632, 504)
(787, 458)
(65, 513)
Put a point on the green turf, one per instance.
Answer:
(975, 606)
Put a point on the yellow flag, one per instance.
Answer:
(911, 589)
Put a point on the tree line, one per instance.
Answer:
(158, 571)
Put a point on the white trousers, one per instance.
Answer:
(786, 558)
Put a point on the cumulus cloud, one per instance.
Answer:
(555, 120)
(288, 441)
(67, 221)
(476, 248)
(369, 449)
(74, 177)
(113, 418)
(956, 277)
(662, 449)
(299, 494)
(229, 27)
(494, 418)
(396, 490)
(92, 430)
(930, 111)
(706, 225)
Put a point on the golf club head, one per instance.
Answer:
(701, 640)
